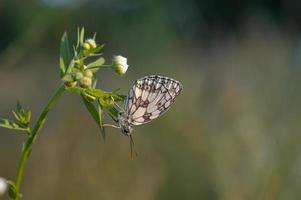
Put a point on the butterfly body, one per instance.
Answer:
(125, 127)
(148, 98)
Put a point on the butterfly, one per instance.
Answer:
(148, 98)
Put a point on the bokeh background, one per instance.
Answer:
(233, 134)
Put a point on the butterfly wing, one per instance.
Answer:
(150, 97)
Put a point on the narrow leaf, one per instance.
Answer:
(96, 92)
(97, 49)
(96, 64)
(76, 90)
(81, 36)
(113, 117)
(77, 42)
(92, 110)
(68, 78)
(94, 83)
(114, 112)
(70, 66)
(94, 36)
(65, 56)
(118, 97)
(102, 129)
(94, 113)
(11, 125)
(28, 116)
(19, 107)
(16, 116)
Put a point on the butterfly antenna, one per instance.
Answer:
(132, 145)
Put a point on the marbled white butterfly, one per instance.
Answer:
(148, 98)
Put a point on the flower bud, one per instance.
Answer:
(120, 64)
(92, 43)
(85, 82)
(3, 186)
(78, 75)
(88, 73)
(89, 44)
(86, 46)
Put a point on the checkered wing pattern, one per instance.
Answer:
(150, 97)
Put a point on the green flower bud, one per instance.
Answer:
(78, 75)
(88, 73)
(85, 82)
(86, 46)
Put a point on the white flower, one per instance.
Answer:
(3, 186)
(120, 64)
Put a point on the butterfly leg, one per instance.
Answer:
(110, 125)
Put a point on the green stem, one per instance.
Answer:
(33, 136)
(107, 66)
(102, 66)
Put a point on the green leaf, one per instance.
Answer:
(102, 129)
(118, 97)
(28, 116)
(82, 36)
(77, 42)
(16, 115)
(113, 117)
(94, 83)
(96, 92)
(92, 110)
(94, 113)
(97, 49)
(65, 56)
(70, 67)
(96, 65)
(104, 102)
(76, 90)
(74, 51)
(5, 123)
(68, 78)
(94, 36)
(19, 107)
(114, 112)
(103, 94)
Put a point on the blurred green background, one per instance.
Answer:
(233, 134)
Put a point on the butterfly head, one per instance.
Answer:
(125, 126)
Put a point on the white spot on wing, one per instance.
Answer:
(144, 95)
(139, 113)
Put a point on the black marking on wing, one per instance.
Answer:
(162, 98)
